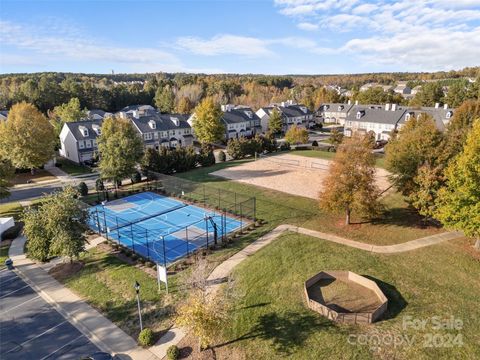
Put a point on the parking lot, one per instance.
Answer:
(32, 329)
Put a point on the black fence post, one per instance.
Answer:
(241, 218)
(164, 252)
(98, 222)
(148, 248)
(206, 227)
(131, 234)
(186, 238)
(105, 224)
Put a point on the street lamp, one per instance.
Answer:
(137, 290)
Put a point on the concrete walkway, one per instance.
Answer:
(59, 174)
(101, 331)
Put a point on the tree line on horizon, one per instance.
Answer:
(180, 93)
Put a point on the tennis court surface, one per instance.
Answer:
(160, 228)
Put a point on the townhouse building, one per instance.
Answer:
(292, 115)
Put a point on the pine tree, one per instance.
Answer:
(459, 201)
(165, 99)
(207, 123)
(350, 184)
(275, 123)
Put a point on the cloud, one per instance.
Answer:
(66, 42)
(307, 26)
(419, 35)
(225, 44)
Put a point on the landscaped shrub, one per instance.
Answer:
(12, 232)
(173, 352)
(222, 156)
(206, 156)
(83, 189)
(136, 177)
(146, 337)
(285, 146)
(315, 143)
(99, 186)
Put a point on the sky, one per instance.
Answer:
(243, 36)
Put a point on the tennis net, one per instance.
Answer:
(120, 223)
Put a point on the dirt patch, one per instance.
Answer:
(63, 271)
(292, 174)
(189, 350)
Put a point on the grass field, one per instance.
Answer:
(72, 168)
(270, 320)
(106, 282)
(399, 223)
(320, 154)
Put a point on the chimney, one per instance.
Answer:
(135, 114)
(349, 102)
(445, 106)
(282, 104)
(437, 105)
(356, 102)
(387, 107)
(394, 107)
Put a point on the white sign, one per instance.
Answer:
(162, 276)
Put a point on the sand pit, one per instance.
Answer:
(292, 174)
(344, 296)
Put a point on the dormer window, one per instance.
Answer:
(152, 124)
(325, 107)
(360, 114)
(84, 131)
(175, 121)
(249, 114)
(449, 115)
(97, 129)
(340, 108)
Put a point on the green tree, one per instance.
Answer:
(184, 106)
(70, 111)
(457, 93)
(296, 135)
(67, 112)
(6, 173)
(336, 137)
(207, 123)
(57, 227)
(417, 144)
(350, 184)
(120, 148)
(429, 94)
(26, 139)
(165, 99)
(275, 123)
(459, 201)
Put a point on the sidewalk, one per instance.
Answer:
(101, 331)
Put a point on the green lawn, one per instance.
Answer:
(11, 209)
(399, 223)
(72, 168)
(270, 320)
(321, 154)
(107, 284)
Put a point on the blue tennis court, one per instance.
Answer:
(160, 228)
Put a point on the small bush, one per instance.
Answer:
(59, 165)
(173, 352)
(222, 156)
(12, 232)
(83, 189)
(285, 146)
(136, 177)
(314, 143)
(146, 337)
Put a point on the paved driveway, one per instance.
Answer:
(32, 329)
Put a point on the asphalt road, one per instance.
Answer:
(32, 192)
(30, 328)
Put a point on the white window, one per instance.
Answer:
(449, 115)
(81, 145)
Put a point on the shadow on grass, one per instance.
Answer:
(396, 302)
(286, 331)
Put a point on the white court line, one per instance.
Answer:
(36, 337)
(60, 348)
(23, 303)
(11, 292)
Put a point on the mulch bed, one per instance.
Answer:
(63, 271)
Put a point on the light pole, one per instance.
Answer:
(137, 290)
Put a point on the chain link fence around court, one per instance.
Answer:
(230, 212)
